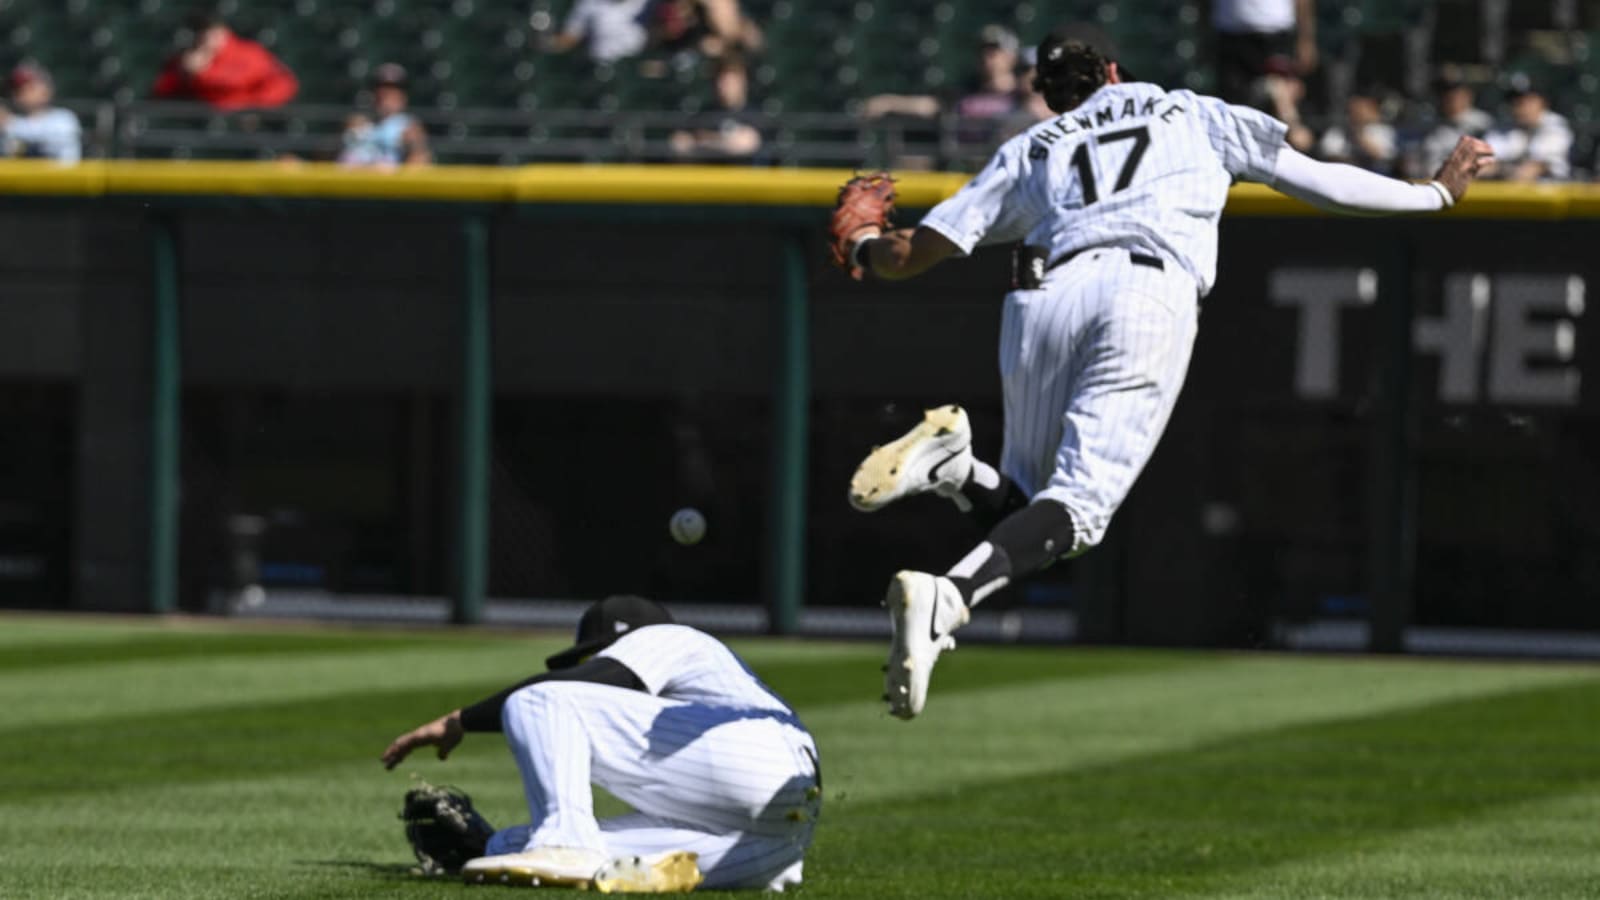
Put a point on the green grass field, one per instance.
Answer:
(143, 759)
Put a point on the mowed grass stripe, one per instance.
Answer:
(1008, 730)
(23, 629)
(175, 646)
(1546, 848)
(1202, 820)
(1057, 725)
(61, 696)
(1213, 819)
(229, 739)
(314, 666)
(64, 694)
(1131, 774)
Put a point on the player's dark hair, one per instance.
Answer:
(1067, 73)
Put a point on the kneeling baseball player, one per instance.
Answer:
(723, 778)
(1116, 200)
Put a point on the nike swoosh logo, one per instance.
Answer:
(933, 614)
(933, 473)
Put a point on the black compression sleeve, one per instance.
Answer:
(485, 714)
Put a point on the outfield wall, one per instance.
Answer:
(503, 381)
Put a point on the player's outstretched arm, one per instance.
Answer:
(905, 252)
(444, 732)
(1345, 189)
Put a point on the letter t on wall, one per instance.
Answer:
(1320, 295)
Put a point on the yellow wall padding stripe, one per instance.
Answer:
(631, 184)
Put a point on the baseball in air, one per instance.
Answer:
(688, 526)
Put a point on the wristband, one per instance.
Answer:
(1444, 192)
(855, 252)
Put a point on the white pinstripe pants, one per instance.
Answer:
(736, 786)
(1092, 363)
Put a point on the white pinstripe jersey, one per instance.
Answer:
(677, 662)
(1133, 166)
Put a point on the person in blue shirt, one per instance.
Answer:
(392, 137)
(37, 129)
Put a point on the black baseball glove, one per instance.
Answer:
(443, 828)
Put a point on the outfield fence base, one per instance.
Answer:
(988, 626)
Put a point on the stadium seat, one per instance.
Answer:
(821, 56)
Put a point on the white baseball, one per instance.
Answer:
(688, 526)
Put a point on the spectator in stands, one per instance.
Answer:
(1535, 143)
(1363, 139)
(609, 29)
(734, 137)
(713, 29)
(392, 137)
(38, 129)
(717, 31)
(986, 109)
(1458, 116)
(996, 94)
(225, 70)
(1255, 37)
(1033, 109)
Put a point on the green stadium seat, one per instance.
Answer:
(821, 55)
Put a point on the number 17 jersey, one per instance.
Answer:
(1133, 166)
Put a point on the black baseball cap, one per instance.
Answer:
(1521, 83)
(1089, 35)
(606, 621)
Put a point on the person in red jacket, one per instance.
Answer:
(225, 70)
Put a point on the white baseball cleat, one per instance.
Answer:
(936, 456)
(673, 872)
(923, 610)
(574, 867)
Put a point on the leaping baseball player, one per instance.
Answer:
(723, 778)
(1116, 201)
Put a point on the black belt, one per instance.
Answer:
(1028, 266)
(1138, 259)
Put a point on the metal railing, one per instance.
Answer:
(510, 137)
(165, 130)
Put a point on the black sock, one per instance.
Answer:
(1023, 543)
(992, 495)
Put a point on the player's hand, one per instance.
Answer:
(444, 732)
(1470, 159)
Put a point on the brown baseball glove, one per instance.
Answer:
(865, 201)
